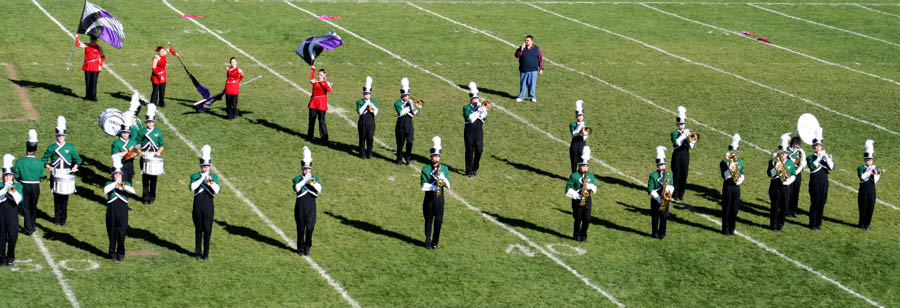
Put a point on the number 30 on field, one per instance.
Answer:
(26, 265)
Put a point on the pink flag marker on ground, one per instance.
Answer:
(764, 40)
(326, 17)
(191, 16)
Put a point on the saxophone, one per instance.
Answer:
(781, 169)
(440, 183)
(585, 193)
(734, 168)
(666, 194)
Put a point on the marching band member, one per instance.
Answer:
(93, 64)
(308, 187)
(63, 159)
(681, 154)
(10, 197)
(798, 155)
(474, 115)
(580, 188)
(152, 144)
(30, 171)
(782, 173)
(580, 131)
(367, 108)
(660, 188)
(205, 187)
(117, 209)
(121, 146)
(318, 103)
(403, 131)
(158, 77)
(435, 178)
(732, 170)
(233, 77)
(869, 175)
(820, 164)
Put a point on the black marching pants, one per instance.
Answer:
(231, 103)
(474, 141)
(681, 161)
(323, 129)
(575, 149)
(30, 195)
(582, 215)
(433, 210)
(9, 230)
(795, 195)
(158, 96)
(658, 219)
(731, 203)
(866, 201)
(116, 226)
(202, 214)
(365, 127)
(818, 195)
(404, 133)
(779, 196)
(90, 85)
(305, 216)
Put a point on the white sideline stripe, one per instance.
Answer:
(777, 46)
(754, 82)
(331, 281)
(877, 11)
(701, 64)
(758, 243)
(824, 25)
(63, 283)
(602, 2)
(453, 193)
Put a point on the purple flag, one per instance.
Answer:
(310, 49)
(99, 23)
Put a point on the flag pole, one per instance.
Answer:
(69, 63)
(71, 51)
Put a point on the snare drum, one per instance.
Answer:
(63, 184)
(153, 166)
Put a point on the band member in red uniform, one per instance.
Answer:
(93, 64)
(158, 77)
(318, 103)
(233, 77)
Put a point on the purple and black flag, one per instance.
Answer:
(310, 49)
(200, 88)
(101, 24)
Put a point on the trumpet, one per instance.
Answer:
(121, 185)
(209, 181)
(418, 102)
(371, 109)
(312, 180)
(586, 131)
(12, 189)
(694, 137)
(486, 104)
(876, 171)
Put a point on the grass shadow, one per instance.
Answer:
(618, 182)
(528, 168)
(252, 234)
(70, 240)
(515, 222)
(375, 229)
(55, 88)
(608, 224)
(148, 236)
(203, 111)
(489, 91)
(672, 217)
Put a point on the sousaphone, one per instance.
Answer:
(807, 125)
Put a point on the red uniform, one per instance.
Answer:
(319, 99)
(233, 81)
(92, 59)
(159, 72)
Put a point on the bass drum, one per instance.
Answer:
(110, 121)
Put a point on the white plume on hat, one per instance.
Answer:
(151, 112)
(368, 87)
(579, 107)
(307, 155)
(819, 134)
(735, 141)
(682, 112)
(135, 102)
(8, 161)
(661, 153)
(128, 117)
(61, 123)
(870, 149)
(586, 155)
(205, 154)
(473, 89)
(785, 141)
(404, 85)
(437, 143)
(32, 136)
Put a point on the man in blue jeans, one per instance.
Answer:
(531, 64)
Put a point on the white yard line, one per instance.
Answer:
(63, 283)
(635, 180)
(453, 193)
(602, 2)
(877, 11)
(776, 46)
(824, 25)
(331, 281)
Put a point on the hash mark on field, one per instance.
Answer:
(453, 193)
(30, 113)
(824, 25)
(635, 180)
(877, 11)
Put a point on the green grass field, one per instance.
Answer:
(506, 236)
